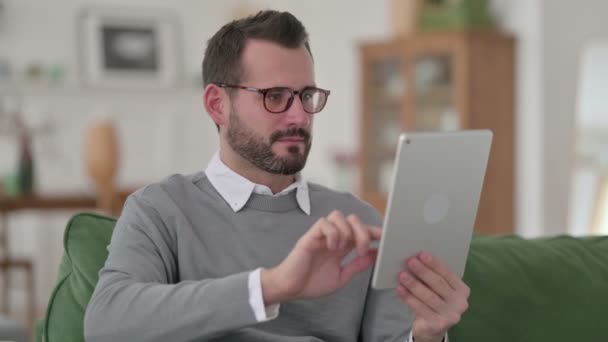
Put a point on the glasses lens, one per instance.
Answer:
(277, 99)
(313, 100)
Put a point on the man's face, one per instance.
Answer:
(276, 143)
(258, 149)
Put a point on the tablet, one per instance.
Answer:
(432, 204)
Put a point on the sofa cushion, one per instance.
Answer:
(551, 289)
(85, 242)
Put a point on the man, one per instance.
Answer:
(248, 250)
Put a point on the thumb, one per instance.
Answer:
(357, 265)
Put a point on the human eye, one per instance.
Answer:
(276, 95)
(310, 94)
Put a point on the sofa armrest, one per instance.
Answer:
(38, 330)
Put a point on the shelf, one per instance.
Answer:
(437, 94)
(54, 202)
(387, 110)
(440, 82)
(382, 95)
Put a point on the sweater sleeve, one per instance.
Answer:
(137, 299)
(386, 317)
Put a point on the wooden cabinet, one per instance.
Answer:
(440, 81)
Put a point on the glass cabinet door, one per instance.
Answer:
(434, 106)
(384, 98)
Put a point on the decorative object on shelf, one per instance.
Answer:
(101, 156)
(454, 15)
(10, 186)
(21, 180)
(34, 73)
(404, 16)
(33, 132)
(25, 166)
(127, 48)
(56, 74)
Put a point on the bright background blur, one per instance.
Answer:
(167, 131)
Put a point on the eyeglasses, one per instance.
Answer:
(279, 99)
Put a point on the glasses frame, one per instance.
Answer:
(265, 91)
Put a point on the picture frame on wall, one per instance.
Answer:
(129, 48)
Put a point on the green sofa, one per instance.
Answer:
(551, 289)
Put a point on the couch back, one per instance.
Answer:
(552, 289)
(85, 242)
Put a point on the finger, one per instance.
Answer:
(428, 276)
(344, 228)
(362, 234)
(422, 292)
(357, 265)
(330, 232)
(454, 281)
(420, 309)
(375, 232)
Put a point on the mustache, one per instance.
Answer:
(292, 132)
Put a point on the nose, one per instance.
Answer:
(296, 115)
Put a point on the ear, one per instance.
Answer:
(215, 100)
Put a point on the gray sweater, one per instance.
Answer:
(180, 258)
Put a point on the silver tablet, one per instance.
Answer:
(433, 201)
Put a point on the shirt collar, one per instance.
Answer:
(236, 189)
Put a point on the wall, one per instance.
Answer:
(550, 34)
(54, 39)
(567, 25)
(523, 18)
(168, 131)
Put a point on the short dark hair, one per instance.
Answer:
(222, 60)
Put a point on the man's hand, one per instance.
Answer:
(437, 296)
(314, 267)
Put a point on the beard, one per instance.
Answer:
(256, 150)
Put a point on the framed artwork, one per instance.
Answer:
(128, 48)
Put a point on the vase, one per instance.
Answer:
(25, 167)
(404, 16)
(101, 157)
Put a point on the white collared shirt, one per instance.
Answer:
(236, 190)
